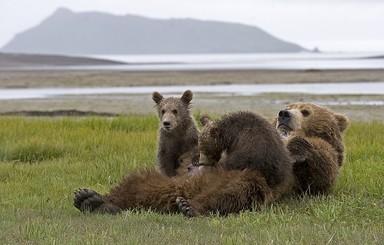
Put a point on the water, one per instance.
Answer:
(291, 61)
(368, 88)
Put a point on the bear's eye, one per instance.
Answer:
(174, 112)
(305, 112)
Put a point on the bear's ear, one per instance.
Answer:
(157, 97)
(187, 96)
(214, 131)
(342, 121)
(205, 120)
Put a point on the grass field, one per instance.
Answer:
(43, 160)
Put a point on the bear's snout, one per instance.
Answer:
(166, 124)
(285, 123)
(284, 116)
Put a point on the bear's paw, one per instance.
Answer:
(184, 207)
(91, 201)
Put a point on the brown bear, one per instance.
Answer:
(313, 136)
(209, 192)
(256, 171)
(246, 140)
(178, 133)
(187, 162)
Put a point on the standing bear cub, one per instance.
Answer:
(178, 133)
(313, 136)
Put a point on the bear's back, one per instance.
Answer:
(253, 142)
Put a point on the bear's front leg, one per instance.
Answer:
(298, 148)
(315, 165)
(89, 200)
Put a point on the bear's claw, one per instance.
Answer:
(184, 207)
(87, 200)
(90, 200)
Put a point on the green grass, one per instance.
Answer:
(43, 160)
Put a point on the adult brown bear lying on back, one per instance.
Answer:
(313, 135)
(256, 172)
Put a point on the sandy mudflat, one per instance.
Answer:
(57, 78)
(267, 104)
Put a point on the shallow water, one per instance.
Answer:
(284, 61)
(368, 88)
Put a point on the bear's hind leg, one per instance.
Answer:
(228, 191)
(89, 200)
(184, 207)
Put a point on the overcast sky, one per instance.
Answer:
(331, 25)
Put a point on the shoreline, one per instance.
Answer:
(82, 78)
(120, 104)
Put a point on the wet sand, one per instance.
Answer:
(57, 78)
(267, 104)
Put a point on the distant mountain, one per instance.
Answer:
(66, 32)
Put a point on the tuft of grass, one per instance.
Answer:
(43, 160)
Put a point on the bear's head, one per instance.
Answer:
(210, 144)
(310, 120)
(173, 112)
(188, 161)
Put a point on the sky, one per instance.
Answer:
(330, 25)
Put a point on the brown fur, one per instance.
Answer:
(187, 161)
(215, 191)
(248, 141)
(178, 133)
(239, 184)
(313, 135)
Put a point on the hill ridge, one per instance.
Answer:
(68, 32)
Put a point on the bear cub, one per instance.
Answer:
(244, 139)
(178, 133)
